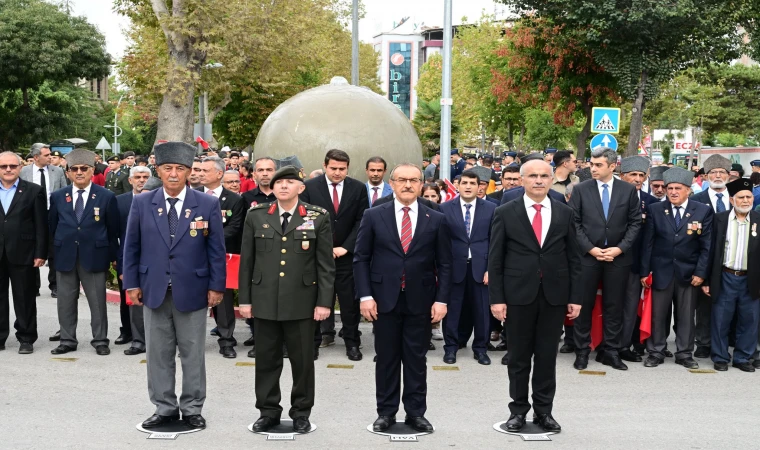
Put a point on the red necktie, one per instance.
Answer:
(406, 238)
(374, 196)
(336, 202)
(211, 193)
(537, 223)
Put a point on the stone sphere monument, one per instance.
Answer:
(339, 116)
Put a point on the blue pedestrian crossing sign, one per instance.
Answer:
(604, 140)
(605, 120)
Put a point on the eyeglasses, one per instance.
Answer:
(412, 181)
(8, 166)
(82, 169)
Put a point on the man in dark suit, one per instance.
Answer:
(607, 219)
(233, 214)
(519, 191)
(716, 169)
(346, 200)
(634, 170)
(132, 322)
(469, 221)
(510, 179)
(84, 222)
(675, 249)
(175, 264)
(534, 265)
(734, 281)
(423, 201)
(376, 187)
(401, 248)
(457, 163)
(23, 248)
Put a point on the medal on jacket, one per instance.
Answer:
(754, 230)
(187, 213)
(689, 230)
(304, 245)
(224, 216)
(68, 198)
(699, 227)
(96, 212)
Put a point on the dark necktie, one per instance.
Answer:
(43, 183)
(173, 218)
(467, 219)
(374, 196)
(285, 221)
(538, 223)
(336, 202)
(79, 206)
(720, 206)
(677, 216)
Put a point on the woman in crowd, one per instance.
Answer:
(246, 177)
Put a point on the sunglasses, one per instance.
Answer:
(8, 166)
(82, 169)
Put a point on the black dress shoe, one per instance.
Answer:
(25, 348)
(123, 339)
(249, 342)
(62, 349)
(567, 348)
(354, 354)
(702, 352)
(501, 347)
(301, 425)
(581, 362)
(252, 352)
(383, 423)
(2, 347)
(102, 350)
(450, 358)
(516, 422)
(214, 332)
(667, 353)
(56, 337)
(461, 346)
(744, 366)
(505, 359)
(431, 346)
(547, 422)
(689, 363)
(195, 421)
(155, 420)
(482, 358)
(316, 354)
(38, 294)
(54, 292)
(134, 351)
(374, 359)
(652, 361)
(720, 366)
(614, 361)
(420, 424)
(639, 350)
(264, 424)
(628, 355)
(756, 364)
(228, 352)
(599, 356)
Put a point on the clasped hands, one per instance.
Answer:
(368, 309)
(320, 312)
(214, 297)
(499, 311)
(605, 254)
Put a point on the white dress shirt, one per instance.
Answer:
(682, 211)
(281, 211)
(601, 189)
(217, 191)
(472, 218)
(36, 179)
(714, 199)
(546, 214)
(178, 206)
(75, 195)
(339, 188)
(645, 186)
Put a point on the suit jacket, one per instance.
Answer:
(233, 209)
(283, 276)
(379, 260)
(124, 202)
(620, 229)
(193, 265)
(668, 251)
(704, 197)
(422, 200)
(24, 228)
(476, 243)
(458, 168)
(517, 266)
(95, 241)
(57, 177)
(646, 200)
(519, 192)
(719, 231)
(353, 202)
(387, 190)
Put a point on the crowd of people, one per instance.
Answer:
(508, 253)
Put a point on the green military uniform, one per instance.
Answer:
(284, 276)
(118, 181)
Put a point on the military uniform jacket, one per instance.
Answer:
(284, 276)
(118, 182)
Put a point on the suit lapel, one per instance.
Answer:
(519, 211)
(389, 218)
(324, 189)
(596, 199)
(295, 221)
(423, 218)
(616, 185)
(160, 214)
(460, 219)
(553, 223)
(687, 216)
(90, 204)
(20, 189)
(669, 215)
(190, 203)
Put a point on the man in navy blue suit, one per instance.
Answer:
(133, 326)
(175, 264)
(675, 249)
(84, 223)
(400, 249)
(469, 220)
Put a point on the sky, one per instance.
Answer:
(379, 16)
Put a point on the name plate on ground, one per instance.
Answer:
(281, 437)
(168, 436)
(455, 368)
(702, 371)
(403, 438)
(64, 359)
(535, 437)
(245, 364)
(598, 373)
(340, 366)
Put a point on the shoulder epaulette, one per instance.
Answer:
(259, 206)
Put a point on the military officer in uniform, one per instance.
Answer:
(117, 180)
(286, 284)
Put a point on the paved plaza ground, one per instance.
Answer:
(96, 401)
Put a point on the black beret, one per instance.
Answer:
(114, 158)
(126, 155)
(287, 173)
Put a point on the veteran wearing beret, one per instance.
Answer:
(286, 278)
(175, 264)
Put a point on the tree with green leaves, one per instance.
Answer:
(642, 44)
(542, 131)
(427, 122)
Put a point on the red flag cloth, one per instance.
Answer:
(597, 324)
(645, 311)
(233, 266)
(451, 190)
(203, 143)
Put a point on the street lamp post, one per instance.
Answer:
(355, 44)
(446, 100)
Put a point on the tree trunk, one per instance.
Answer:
(25, 94)
(637, 117)
(582, 138)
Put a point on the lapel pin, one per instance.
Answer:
(667, 212)
(160, 211)
(754, 230)
(688, 215)
(187, 213)
(224, 198)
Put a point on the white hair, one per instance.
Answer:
(138, 169)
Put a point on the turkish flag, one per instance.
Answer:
(233, 267)
(645, 311)
(203, 143)
(451, 190)
(597, 324)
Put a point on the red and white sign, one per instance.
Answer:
(397, 59)
(684, 145)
